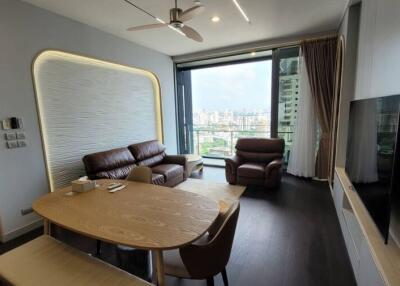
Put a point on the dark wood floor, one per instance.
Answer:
(288, 237)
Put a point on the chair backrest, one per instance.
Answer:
(203, 261)
(140, 174)
(262, 150)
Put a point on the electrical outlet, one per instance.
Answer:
(12, 144)
(26, 211)
(20, 135)
(21, 143)
(10, 136)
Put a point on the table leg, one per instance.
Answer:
(46, 227)
(158, 262)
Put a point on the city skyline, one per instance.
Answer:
(222, 87)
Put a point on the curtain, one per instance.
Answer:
(302, 156)
(320, 59)
(362, 149)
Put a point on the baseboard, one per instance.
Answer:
(20, 231)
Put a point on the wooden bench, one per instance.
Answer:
(47, 261)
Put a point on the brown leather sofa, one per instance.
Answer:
(168, 170)
(258, 161)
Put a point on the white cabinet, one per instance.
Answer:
(378, 66)
(368, 274)
(364, 267)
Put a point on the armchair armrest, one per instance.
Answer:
(275, 164)
(179, 160)
(231, 165)
(273, 173)
(234, 161)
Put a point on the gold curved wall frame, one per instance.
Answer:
(49, 55)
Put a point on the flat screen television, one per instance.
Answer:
(372, 162)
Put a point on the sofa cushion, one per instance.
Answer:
(157, 179)
(169, 171)
(251, 170)
(98, 163)
(152, 161)
(115, 174)
(145, 150)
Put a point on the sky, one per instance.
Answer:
(236, 87)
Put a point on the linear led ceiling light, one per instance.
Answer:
(241, 11)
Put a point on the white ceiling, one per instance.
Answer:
(270, 19)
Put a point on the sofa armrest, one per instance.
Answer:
(178, 160)
(231, 165)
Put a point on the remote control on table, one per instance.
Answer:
(113, 186)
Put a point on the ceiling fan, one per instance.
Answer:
(177, 19)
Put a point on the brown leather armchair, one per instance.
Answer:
(206, 257)
(258, 161)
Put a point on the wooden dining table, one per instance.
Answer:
(142, 216)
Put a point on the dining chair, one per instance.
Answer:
(140, 174)
(206, 257)
(140, 259)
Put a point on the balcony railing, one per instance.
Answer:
(219, 142)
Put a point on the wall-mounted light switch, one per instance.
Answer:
(20, 135)
(10, 136)
(12, 123)
(20, 123)
(6, 124)
(12, 144)
(21, 143)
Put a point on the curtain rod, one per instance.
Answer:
(248, 48)
(327, 37)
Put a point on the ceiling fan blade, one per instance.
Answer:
(191, 13)
(146, 27)
(191, 33)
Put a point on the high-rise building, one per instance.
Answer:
(288, 100)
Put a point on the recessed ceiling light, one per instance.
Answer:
(253, 54)
(241, 11)
(215, 19)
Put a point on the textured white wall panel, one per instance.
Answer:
(88, 105)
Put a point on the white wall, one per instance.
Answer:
(378, 66)
(26, 30)
(349, 30)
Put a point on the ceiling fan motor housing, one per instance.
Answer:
(174, 14)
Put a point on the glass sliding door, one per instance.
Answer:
(286, 93)
(219, 103)
(228, 101)
(184, 112)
